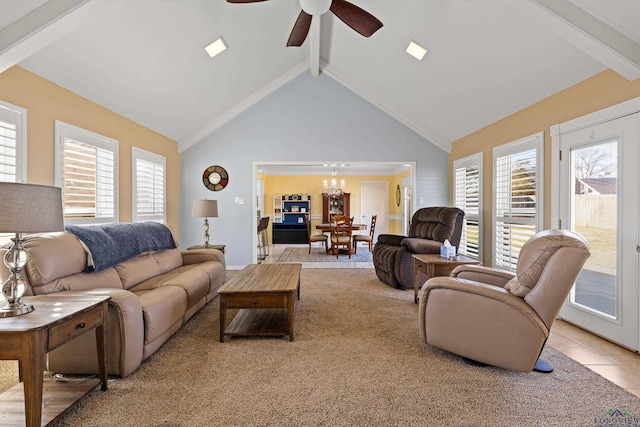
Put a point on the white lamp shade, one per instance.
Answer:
(30, 208)
(205, 208)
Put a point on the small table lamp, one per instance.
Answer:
(25, 208)
(205, 209)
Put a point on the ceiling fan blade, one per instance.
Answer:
(300, 29)
(244, 1)
(359, 19)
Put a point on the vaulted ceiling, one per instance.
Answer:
(144, 59)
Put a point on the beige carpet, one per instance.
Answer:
(357, 361)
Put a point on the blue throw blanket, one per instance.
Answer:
(110, 244)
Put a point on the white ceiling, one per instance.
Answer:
(144, 59)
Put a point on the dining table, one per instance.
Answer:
(327, 226)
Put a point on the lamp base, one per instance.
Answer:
(17, 309)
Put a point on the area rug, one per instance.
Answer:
(357, 360)
(318, 254)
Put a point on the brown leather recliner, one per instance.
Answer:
(499, 318)
(430, 227)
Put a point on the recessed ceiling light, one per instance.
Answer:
(215, 47)
(417, 51)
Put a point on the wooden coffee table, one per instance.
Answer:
(265, 295)
(433, 265)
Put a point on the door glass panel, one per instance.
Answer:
(594, 216)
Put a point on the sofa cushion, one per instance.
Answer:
(137, 269)
(162, 310)
(52, 256)
(167, 260)
(81, 282)
(195, 283)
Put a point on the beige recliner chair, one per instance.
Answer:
(499, 318)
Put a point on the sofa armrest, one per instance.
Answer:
(198, 256)
(417, 245)
(479, 273)
(390, 239)
(125, 336)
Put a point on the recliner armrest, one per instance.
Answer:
(482, 274)
(417, 245)
(390, 239)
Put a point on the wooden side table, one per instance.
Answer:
(27, 338)
(433, 265)
(218, 247)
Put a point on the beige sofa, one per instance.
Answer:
(152, 295)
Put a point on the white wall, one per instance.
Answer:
(310, 119)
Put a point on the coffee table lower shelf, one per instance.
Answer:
(57, 398)
(263, 322)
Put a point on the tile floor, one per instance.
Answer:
(615, 363)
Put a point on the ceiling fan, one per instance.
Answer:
(358, 19)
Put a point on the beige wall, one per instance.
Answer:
(46, 102)
(596, 93)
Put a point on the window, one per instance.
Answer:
(13, 143)
(467, 184)
(517, 197)
(86, 170)
(13, 148)
(149, 186)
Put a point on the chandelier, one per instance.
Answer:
(333, 188)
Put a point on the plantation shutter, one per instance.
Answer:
(86, 169)
(467, 188)
(11, 143)
(517, 199)
(149, 186)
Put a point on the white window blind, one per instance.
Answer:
(517, 198)
(13, 143)
(149, 186)
(86, 170)
(468, 197)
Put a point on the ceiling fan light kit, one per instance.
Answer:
(315, 7)
(358, 19)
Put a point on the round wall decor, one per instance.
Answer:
(215, 178)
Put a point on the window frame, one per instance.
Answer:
(64, 131)
(21, 138)
(474, 160)
(156, 159)
(532, 142)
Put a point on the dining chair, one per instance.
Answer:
(365, 237)
(316, 237)
(341, 234)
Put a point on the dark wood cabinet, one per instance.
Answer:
(335, 205)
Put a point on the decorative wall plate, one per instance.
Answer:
(398, 195)
(215, 178)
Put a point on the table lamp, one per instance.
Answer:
(204, 208)
(25, 208)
